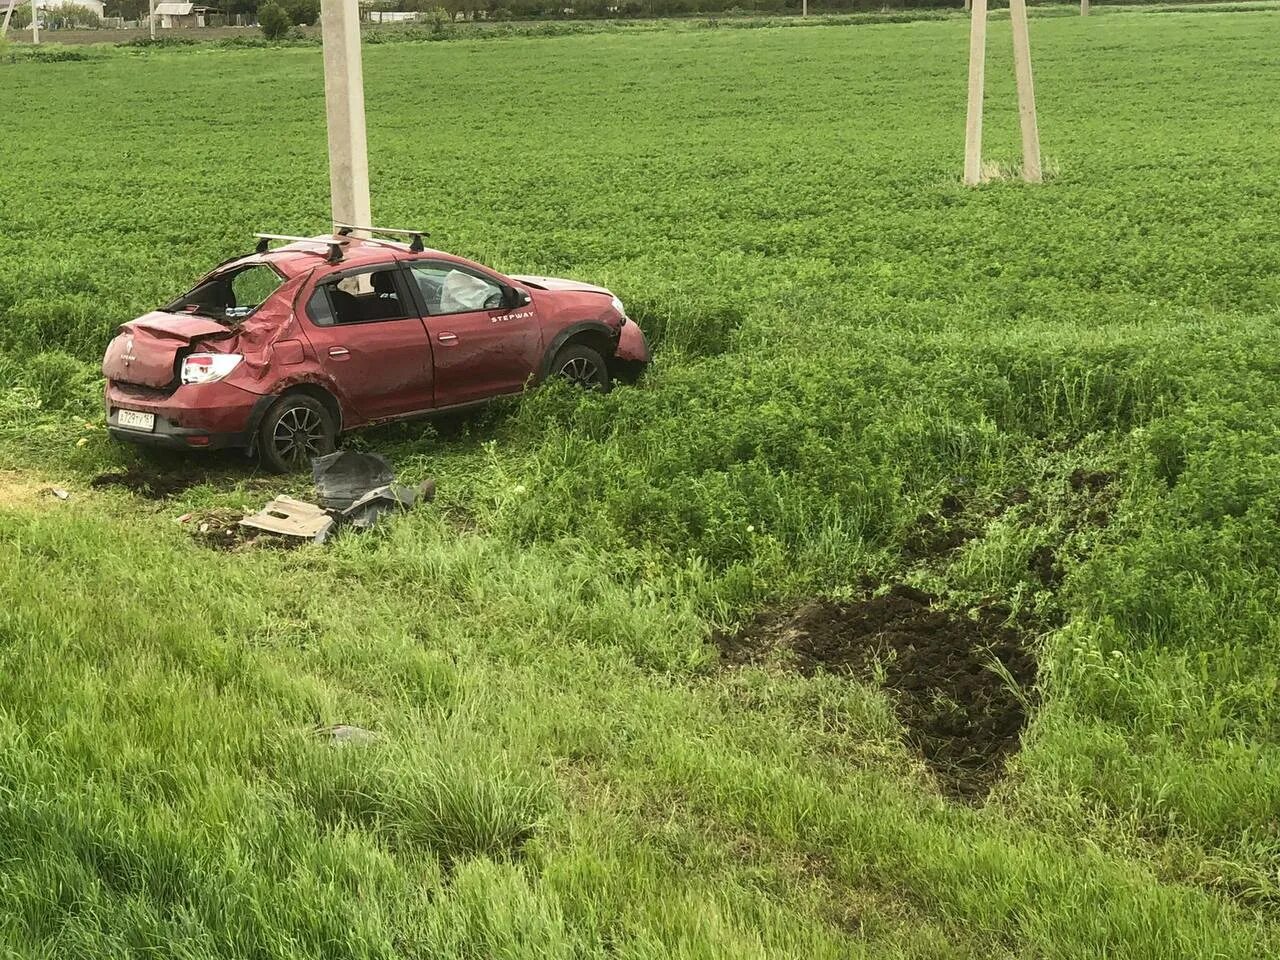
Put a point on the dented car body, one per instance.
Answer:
(281, 350)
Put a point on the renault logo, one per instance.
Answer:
(128, 356)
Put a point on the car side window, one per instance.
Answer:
(448, 288)
(362, 296)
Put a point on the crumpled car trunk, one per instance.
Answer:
(145, 352)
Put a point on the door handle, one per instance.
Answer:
(341, 353)
(448, 338)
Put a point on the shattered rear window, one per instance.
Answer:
(231, 296)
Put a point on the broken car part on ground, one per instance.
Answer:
(356, 490)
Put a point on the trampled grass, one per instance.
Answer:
(853, 352)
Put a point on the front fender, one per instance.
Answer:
(567, 334)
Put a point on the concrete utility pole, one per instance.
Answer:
(967, 5)
(977, 70)
(1084, 8)
(344, 100)
(151, 7)
(804, 8)
(1026, 92)
(8, 15)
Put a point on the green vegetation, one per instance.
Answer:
(275, 21)
(1076, 384)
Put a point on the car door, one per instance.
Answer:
(483, 342)
(368, 336)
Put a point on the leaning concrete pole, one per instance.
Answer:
(977, 68)
(1026, 92)
(344, 100)
(8, 15)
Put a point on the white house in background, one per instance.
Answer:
(171, 14)
(51, 6)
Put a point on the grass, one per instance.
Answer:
(845, 335)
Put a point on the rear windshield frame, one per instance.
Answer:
(177, 305)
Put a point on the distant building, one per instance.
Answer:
(392, 16)
(170, 15)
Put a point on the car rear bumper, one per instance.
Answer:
(208, 416)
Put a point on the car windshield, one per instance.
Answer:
(230, 296)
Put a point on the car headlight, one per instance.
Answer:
(208, 367)
(617, 305)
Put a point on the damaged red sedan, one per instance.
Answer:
(280, 351)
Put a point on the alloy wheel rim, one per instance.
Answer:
(298, 435)
(581, 372)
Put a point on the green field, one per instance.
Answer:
(1054, 409)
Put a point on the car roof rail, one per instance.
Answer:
(334, 244)
(415, 243)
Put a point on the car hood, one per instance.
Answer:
(558, 283)
(145, 351)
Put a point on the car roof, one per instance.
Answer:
(301, 256)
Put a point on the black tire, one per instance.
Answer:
(583, 367)
(293, 430)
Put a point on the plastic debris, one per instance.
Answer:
(366, 511)
(292, 518)
(341, 734)
(355, 490)
(60, 493)
(344, 477)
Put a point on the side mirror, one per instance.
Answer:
(518, 298)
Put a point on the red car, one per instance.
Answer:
(282, 350)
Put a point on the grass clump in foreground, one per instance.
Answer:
(1059, 402)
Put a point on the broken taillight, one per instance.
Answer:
(208, 367)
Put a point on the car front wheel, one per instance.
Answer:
(294, 429)
(583, 367)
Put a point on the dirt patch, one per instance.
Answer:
(1017, 496)
(1043, 562)
(943, 668)
(930, 538)
(1091, 480)
(150, 484)
(221, 530)
(20, 490)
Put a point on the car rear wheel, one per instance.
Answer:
(583, 367)
(295, 428)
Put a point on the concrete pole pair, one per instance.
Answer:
(1026, 93)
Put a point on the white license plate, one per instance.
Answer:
(135, 420)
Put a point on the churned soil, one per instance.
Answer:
(939, 665)
(933, 538)
(221, 530)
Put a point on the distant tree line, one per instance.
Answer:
(299, 11)
(308, 11)
(528, 9)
